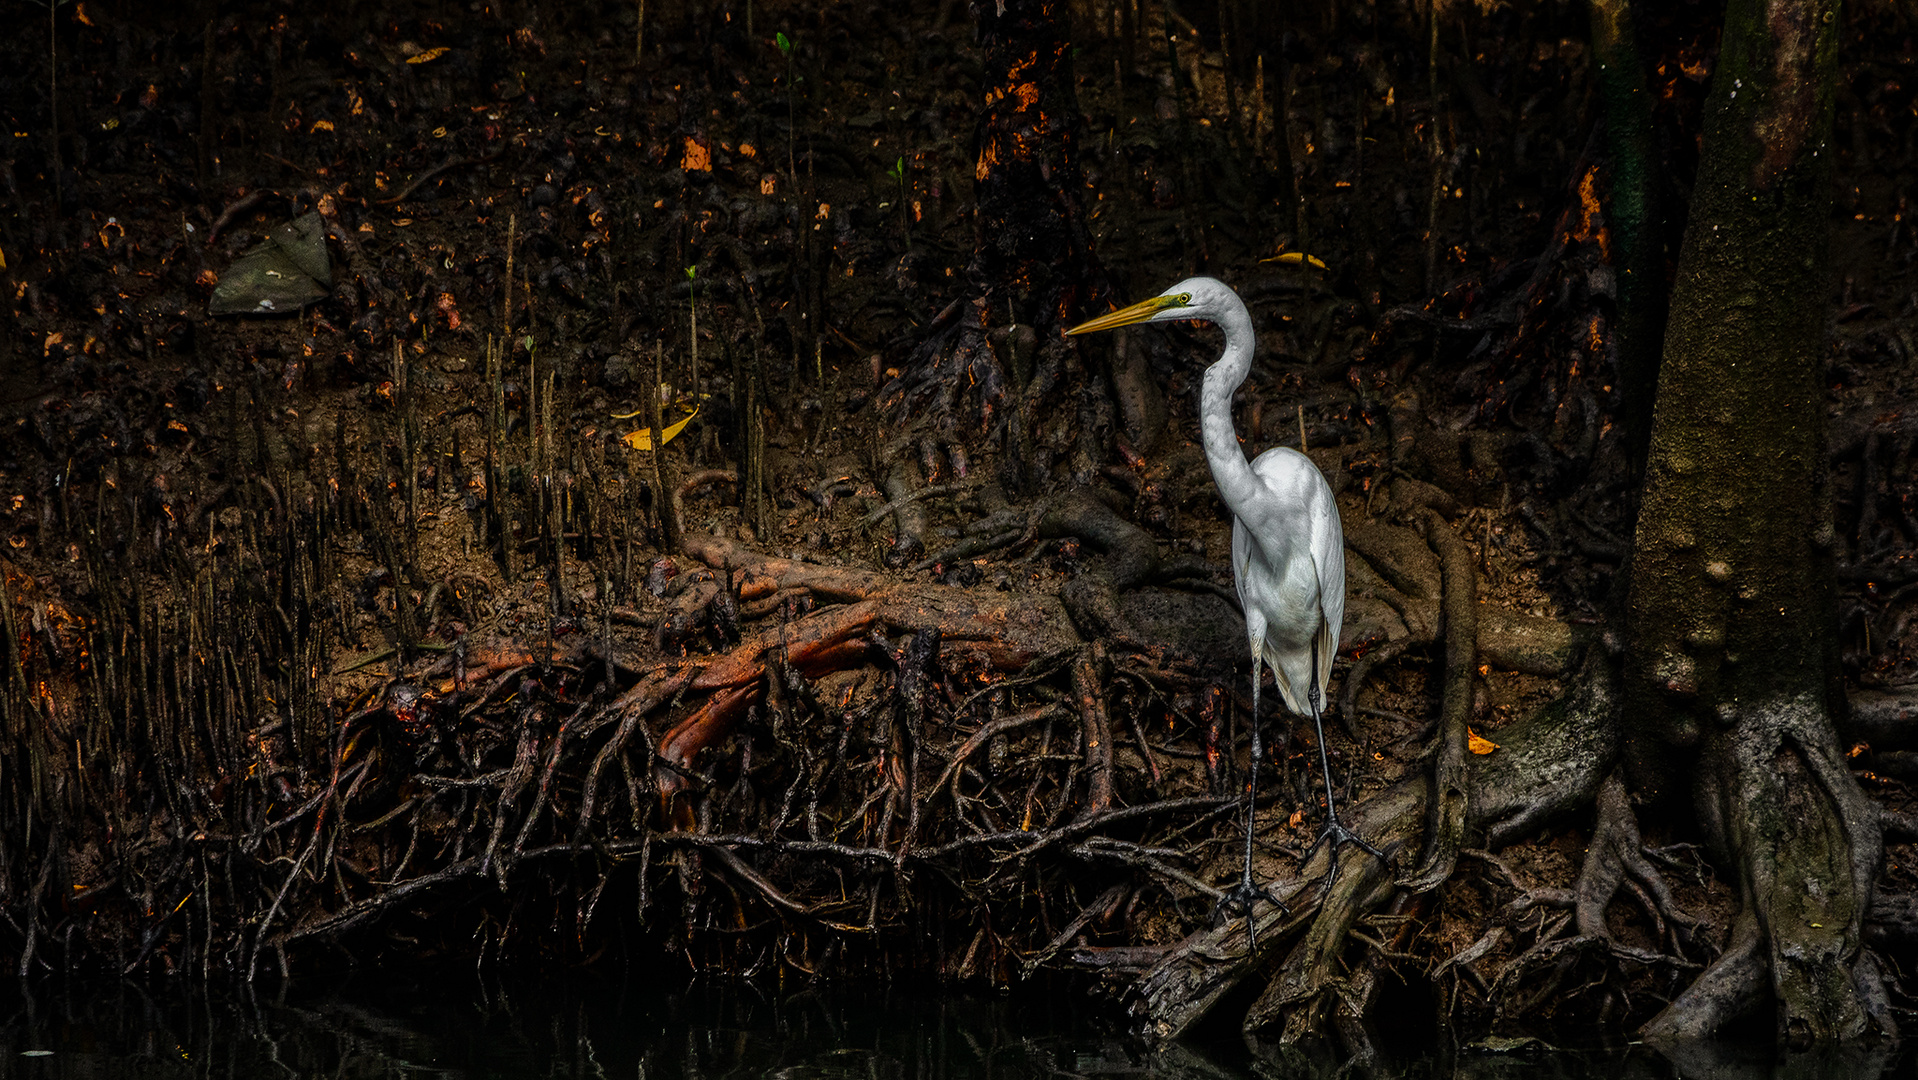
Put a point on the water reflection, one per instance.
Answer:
(597, 1029)
(586, 1029)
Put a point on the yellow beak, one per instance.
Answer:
(1126, 316)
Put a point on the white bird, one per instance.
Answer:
(1288, 551)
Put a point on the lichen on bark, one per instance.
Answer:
(1731, 676)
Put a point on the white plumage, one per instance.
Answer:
(1288, 551)
(1291, 579)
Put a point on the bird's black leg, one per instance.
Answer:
(1239, 899)
(1334, 833)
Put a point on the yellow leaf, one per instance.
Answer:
(643, 438)
(1479, 744)
(427, 56)
(1296, 257)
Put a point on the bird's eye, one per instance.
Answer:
(1185, 298)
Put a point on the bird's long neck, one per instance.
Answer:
(1222, 451)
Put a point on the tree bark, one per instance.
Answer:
(1732, 671)
(1637, 215)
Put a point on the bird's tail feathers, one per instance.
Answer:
(1328, 648)
(1294, 697)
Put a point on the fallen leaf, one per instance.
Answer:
(1479, 744)
(698, 158)
(643, 438)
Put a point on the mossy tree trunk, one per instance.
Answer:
(1732, 663)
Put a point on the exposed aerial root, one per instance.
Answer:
(1528, 901)
(1131, 559)
(1571, 950)
(1802, 839)
(909, 515)
(1731, 987)
(1450, 798)
(1397, 927)
(1548, 765)
(1183, 987)
(1305, 993)
(1537, 952)
(1614, 855)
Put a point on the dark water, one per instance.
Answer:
(399, 1028)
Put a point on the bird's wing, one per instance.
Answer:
(1328, 558)
(1299, 502)
(1278, 514)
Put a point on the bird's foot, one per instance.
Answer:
(1336, 836)
(1239, 900)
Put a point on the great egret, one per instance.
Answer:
(1288, 551)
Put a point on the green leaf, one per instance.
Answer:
(692, 272)
(785, 43)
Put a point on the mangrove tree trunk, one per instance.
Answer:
(1732, 662)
